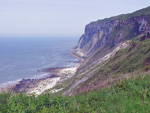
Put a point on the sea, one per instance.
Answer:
(20, 58)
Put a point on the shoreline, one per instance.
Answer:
(73, 51)
(38, 85)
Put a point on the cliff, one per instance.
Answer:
(111, 31)
(113, 49)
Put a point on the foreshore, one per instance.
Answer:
(38, 86)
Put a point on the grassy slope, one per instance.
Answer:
(128, 60)
(132, 95)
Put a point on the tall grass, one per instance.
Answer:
(129, 96)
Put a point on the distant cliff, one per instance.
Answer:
(111, 31)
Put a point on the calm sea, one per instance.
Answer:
(20, 58)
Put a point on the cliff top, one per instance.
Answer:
(144, 11)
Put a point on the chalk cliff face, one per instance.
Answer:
(111, 31)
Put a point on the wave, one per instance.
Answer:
(37, 76)
(3, 85)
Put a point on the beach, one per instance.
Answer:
(38, 86)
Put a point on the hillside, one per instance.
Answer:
(112, 48)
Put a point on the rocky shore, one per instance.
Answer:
(38, 86)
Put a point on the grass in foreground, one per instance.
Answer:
(132, 95)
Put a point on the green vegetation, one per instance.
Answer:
(129, 60)
(132, 95)
(134, 58)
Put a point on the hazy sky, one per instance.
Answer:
(58, 18)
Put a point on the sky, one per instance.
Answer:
(58, 18)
